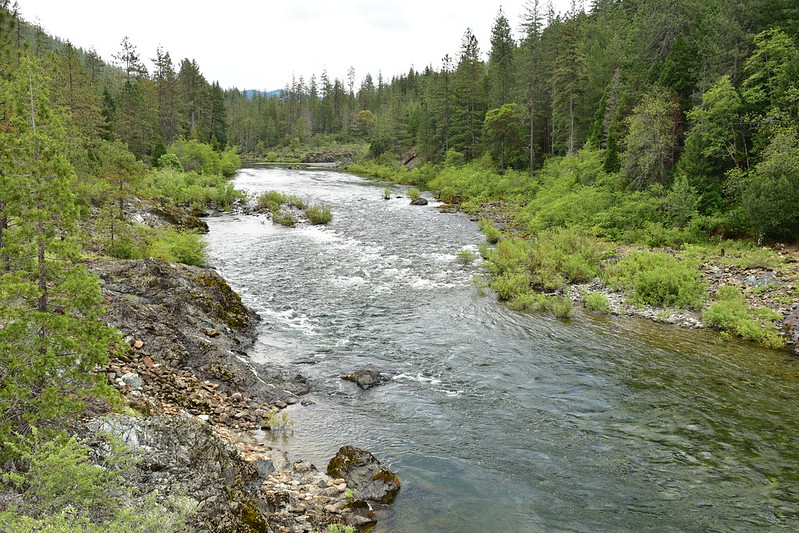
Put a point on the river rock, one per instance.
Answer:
(364, 474)
(419, 201)
(365, 379)
(133, 380)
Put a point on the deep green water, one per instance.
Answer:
(498, 421)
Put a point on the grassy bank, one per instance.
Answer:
(572, 222)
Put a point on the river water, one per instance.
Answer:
(497, 420)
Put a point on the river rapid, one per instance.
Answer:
(497, 420)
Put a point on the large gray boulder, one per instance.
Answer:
(364, 475)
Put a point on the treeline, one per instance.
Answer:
(85, 149)
(124, 102)
(702, 93)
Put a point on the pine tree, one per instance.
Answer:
(168, 104)
(469, 109)
(51, 336)
(532, 75)
(501, 71)
(568, 76)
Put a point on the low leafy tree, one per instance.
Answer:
(504, 130)
(651, 142)
(772, 190)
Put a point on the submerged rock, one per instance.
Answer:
(363, 474)
(365, 379)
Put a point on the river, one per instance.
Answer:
(497, 420)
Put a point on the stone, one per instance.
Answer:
(138, 344)
(211, 332)
(364, 473)
(133, 380)
(419, 201)
(365, 379)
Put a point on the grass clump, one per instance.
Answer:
(466, 257)
(596, 301)
(490, 230)
(658, 279)
(414, 193)
(731, 314)
(178, 247)
(278, 421)
(319, 214)
(274, 200)
(284, 218)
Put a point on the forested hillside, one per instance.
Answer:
(700, 95)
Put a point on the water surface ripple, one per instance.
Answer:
(496, 420)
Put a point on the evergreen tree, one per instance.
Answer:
(51, 336)
(469, 106)
(501, 73)
(532, 77)
(568, 77)
(168, 99)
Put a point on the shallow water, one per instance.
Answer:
(497, 420)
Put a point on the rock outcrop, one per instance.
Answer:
(189, 318)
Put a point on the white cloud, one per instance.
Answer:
(260, 45)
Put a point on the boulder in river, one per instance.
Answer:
(365, 379)
(419, 201)
(364, 475)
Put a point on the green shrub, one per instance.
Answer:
(273, 200)
(562, 307)
(229, 162)
(596, 301)
(414, 193)
(658, 279)
(339, 528)
(62, 491)
(178, 247)
(466, 257)
(386, 193)
(530, 300)
(318, 214)
(490, 230)
(730, 313)
(284, 218)
(191, 188)
(510, 255)
(510, 285)
(170, 161)
(565, 255)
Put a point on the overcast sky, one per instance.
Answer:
(261, 44)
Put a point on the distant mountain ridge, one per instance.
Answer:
(250, 93)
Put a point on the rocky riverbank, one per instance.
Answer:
(205, 402)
